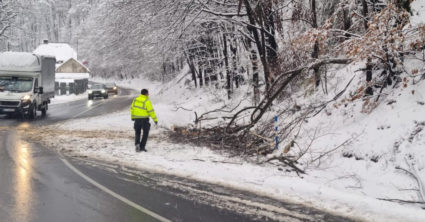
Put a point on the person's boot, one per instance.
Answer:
(137, 148)
(143, 149)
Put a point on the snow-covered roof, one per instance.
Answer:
(78, 62)
(19, 61)
(62, 51)
(83, 65)
(72, 76)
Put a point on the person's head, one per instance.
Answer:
(144, 92)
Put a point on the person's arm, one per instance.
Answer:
(131, 110)
(151, 111)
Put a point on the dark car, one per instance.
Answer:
(112, 88)
(98, 90)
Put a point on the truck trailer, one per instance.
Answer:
(27, 83)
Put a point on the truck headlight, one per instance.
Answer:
(103, 91)
(115, 87)
(26, 98)
(90, 91)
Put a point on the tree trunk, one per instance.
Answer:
(235, 76)
(272, 47)
(347, 22)
(192, 70)
(260, 47)
(226, 63)
(201, 82)
(255, 76)
(315, 53)
(365, 12)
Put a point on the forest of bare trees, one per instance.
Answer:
(223, 42)
(28, 23)
(229, 43)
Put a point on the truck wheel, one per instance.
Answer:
(44, 110)
(32, 112)
(106, 96)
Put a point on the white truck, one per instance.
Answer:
(27, 83)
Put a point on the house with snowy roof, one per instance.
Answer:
(71, 75)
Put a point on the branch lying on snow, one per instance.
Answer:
(221, 109)
(216, 161)
(402, 201)
(262, 137)
(332, 150)
(286, 161)
(181, 107)
(412, 172)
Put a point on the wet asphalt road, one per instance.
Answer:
(36, 185)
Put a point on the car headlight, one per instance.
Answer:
(103, 91)
(115, 87)
(26, 97)
(90, 91)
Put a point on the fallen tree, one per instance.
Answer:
(241, 139)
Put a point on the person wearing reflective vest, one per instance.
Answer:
(141, 109)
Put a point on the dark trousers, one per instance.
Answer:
(139, 125)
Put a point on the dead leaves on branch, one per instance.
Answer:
(385, 35)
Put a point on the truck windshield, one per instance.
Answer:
(15, 84)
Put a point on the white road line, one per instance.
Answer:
(85, 111)
(112, 193)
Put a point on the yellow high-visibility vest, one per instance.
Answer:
(141, 107)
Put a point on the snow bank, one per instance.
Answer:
(115, 144)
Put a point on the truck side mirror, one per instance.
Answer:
(40, 90)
